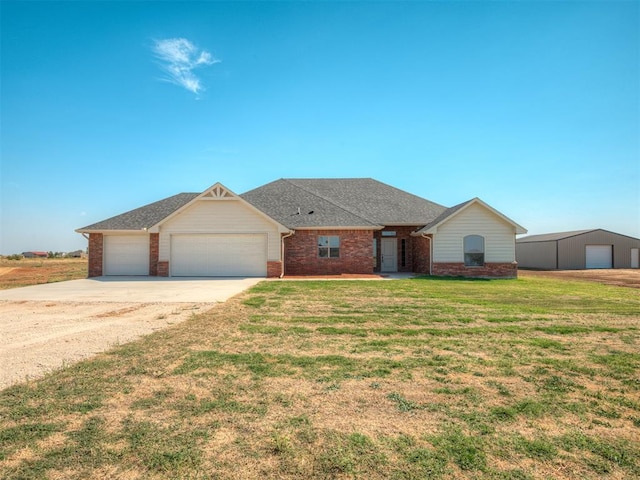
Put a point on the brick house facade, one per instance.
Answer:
(301, 254)
(304, 227)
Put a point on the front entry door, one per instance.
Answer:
(389, 255)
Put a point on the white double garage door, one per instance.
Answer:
(192, 255)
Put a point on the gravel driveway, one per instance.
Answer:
(44, 327)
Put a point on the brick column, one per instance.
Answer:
(163, 269)
(95, 254)
(274, 269)
(422, 254)
(154, 252)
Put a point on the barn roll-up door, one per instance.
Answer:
(599, 256)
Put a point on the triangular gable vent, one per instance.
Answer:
(218, 192)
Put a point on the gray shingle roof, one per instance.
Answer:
(340, 202)
(550, 237)
(143, 217)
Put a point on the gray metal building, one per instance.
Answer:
(579, 250)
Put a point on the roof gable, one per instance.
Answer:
(218, 192)
(450, 213)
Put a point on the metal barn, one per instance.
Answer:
(579, 250)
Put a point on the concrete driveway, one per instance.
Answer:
(44, 327)
(134, 290)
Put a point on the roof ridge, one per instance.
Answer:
(292, 180)
(333, 202)
(555, 236)
(409, 193)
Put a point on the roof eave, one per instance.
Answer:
(422, 232)
(404, 224)
(341, 227)
(110, 231)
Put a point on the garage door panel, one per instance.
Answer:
(126, 255)
(218, 255)
(599, 256)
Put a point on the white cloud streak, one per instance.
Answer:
(178, 58)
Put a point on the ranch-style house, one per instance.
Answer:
(304, 227)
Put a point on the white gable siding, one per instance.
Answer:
(499, 236)
(219, 216)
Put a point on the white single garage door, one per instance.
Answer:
(126, 255)
(219, 255)
(599, 256)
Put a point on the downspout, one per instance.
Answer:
(430, 251)
(291, 232)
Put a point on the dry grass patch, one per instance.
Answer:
(406, 379)
(33, 271)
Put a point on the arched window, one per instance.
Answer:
(473, 251)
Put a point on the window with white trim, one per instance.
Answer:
(329, 246)
(473, 251)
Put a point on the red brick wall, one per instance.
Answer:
(154, 252)
(421, 254)
(356, 253)
(274, 269)
(489, 270)
(95, 254)
(163, 269)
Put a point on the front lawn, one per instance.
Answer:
(408, 379)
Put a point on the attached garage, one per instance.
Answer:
(210, 234)
(218, 255)
(126, 255)
(579, 250)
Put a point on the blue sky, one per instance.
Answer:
(106, 106)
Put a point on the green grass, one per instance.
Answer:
(466, 451)
(402, 404)
(411, 379)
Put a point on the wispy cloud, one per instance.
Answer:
(178, 58)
